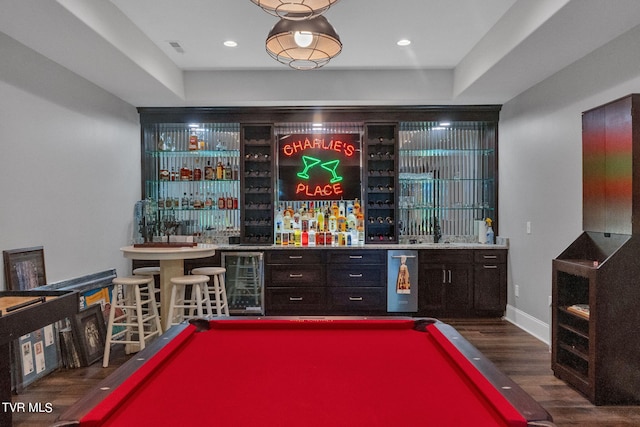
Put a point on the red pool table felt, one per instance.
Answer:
(307, 373)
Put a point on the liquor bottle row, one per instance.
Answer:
(334, 223)
(197, 138)
(197, 201)
(195, 169)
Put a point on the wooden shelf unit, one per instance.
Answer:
(599, 355)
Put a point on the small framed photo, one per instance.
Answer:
(91, 334)
(24, 268)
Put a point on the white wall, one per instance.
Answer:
(540, 169)
(69, 165)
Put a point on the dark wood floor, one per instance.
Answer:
(525, 359)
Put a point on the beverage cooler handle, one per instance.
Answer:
(405, 256)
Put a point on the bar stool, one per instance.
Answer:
(216, 288)
(181, 307)
(155, 273)
(139, 319)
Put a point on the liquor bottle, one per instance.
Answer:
(312, 235)
(229, 204)
(235, 202)
(279, 219)
(197, 172)
(221, 202)
(326, 219)
(342, 219)
(235, 172)
(185, 201)
(296, 219)
(185, 172)
(209, 173)
(228, 173)
(174, 174)
(351, 217)
(335, 210)
(278, 240)
(193, 142)
(320, 220)
(297, 236)
(220, 171)
(208, 202)
(333, 221)
(304, 237)
(191, 200)
(287, 219)
(197, 201)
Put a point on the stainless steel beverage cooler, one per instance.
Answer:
(402, 281)
(244, 282)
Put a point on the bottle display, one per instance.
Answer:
(294, 224)
(446, 179)
(201, 199)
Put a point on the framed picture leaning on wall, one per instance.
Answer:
(24, 268)
(90, 333)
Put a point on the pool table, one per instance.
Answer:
(308, 372)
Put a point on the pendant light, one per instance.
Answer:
(295, 9)
(303, 45)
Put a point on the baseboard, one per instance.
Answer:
(529, 324)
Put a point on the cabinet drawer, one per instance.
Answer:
(448, 256)
(353, 299)
(295, 300)
(357, 257)
(494, 256)
(296, 275)
(356, 275)
(302, 256)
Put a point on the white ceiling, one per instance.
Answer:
(462, 51)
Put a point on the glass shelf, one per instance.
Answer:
(194, 153)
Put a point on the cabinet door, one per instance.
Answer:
(445, 290)
(490, 287)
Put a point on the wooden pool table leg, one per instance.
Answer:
(5, 384)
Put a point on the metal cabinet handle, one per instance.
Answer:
(444, 276)
(295, 256)
(449, 276)
(490, 256)
(295, 298)
(294, 276)
(355, 298)
(490, 266)
(355, 276)
(400, 256)
(355, 256)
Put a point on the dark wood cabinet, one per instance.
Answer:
(445, 283)
(489, 282)
(598, 353)
(356, 281)
(295, 282)
(328, 282)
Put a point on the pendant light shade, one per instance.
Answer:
(295, 9)
(303, 45)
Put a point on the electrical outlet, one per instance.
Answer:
(528, 227)
(550, 301)
(517, 288)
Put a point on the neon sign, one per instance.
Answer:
(319, 167)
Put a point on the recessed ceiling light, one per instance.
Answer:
(404, 42)
(230, 43)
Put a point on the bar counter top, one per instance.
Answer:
(388, 246)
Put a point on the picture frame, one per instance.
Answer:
(90, 334)
(24, 268)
